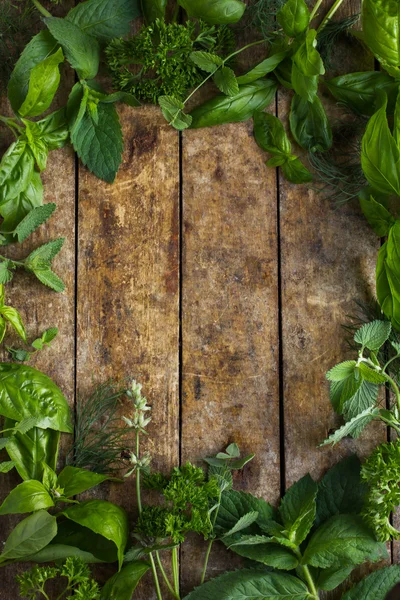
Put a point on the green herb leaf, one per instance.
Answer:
(354, 427)
(243, 523)
(225, 80)
(251, 584)
(309, 124)
(104, 20)
(49, 478)
(376, 214)
(39, 48)
(305, 86)
(172, 109)
(59, 552)
(7, 466)
(343, 540)
(294, 171)
(376, 586)
(359, 91)
(36, 217)
(16, 171)
(263, 68)
(341, 371)
(103, 518)
(329, 579)
(270, 134)
(298, 509)
(381, 32)
(153, 9)
(269, 553)
(388, 275)
(31, 450)
(81, 50)
(206, 60)
(43, 83)
(39, 263)
(53, 129)
(294, 17)
(12, 316)
(234, 505)
(26, 497)
(6, 274)
(122, 585)
(222, 109)
(49, 335)
(75, 481)
(307, 58)
(29, 536)
(214, 12)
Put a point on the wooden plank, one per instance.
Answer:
(230, 310)
(128, 282)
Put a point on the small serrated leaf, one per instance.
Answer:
(373, 335)
(206, 61)
(49, 278)
(354, 427)
(243, 523)
(25, 425)
(33, 220)
(341, 371)
(49, 335)
(37, 344)
(172, 109)
(225, 80)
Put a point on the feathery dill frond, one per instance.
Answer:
(261, 16)
(99, 430)
(329, 36)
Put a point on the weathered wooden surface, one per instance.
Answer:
(210, 283)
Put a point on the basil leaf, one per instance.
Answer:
(39, 48)
(359, 91)
(16, 170)
(376, 214)
(304, 85)
(43, 83)
(74, 481)
(53, 129)
(375, 586)
(29, 536)
(104, 20)
(270, 134)
(248, 583)
(381, 31)
(298, 509)
(122, 585)
(380, 155)
(74, 535)
(309, 124)
(294, 17)
(388, 276)
(49, 478)
(12, 316)
(342, 541)
(226, 82)
(307, 58)
(294, 171)
(221, 109)
(263, 68)
(16, 209)
(81, 50)
(59, 552)
(7, 466)
(153, 9)
(214, 12)
(103, 518)
(26, 497)
(341, 490)
(31, 450)
(26, 392)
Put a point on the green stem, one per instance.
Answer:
(41, 8)
(390, 424)
(19, 263)
(139, 503)
(203, 575)
(165, 576)
(329, 14)
(221, 65)
(390, 361)
(310, 582)
(175, 570)
(396, 390)
(67, 589)
(315, 9)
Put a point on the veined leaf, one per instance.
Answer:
(269, 553)
(104, 20)
(29, 536)
(214, 12)
(381, 31)
(376, 214)
(36, 217)
(75, 481)
(122, 585)
(388, 276)
(354, 427)
(376, 586)
(44, 80)
(16, 209)
(243, 523)
(235, 505)
(294, 17)
(26, 497)
(206, 60)
(172, 109)
(7, 466)
(298, 509)
(262, 69)
(341, 371)
(365, 397)
(373, 335)
(359, 91)
(226, 82)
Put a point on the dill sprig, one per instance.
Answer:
(261, 16)
(99, 430)
(330, 35)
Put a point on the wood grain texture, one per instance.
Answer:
(128, 284)
(229, 310)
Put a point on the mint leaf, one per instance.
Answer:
(343, 540)
(376, 586)
(235, 505)
(6, 274)
(341, 371)
(243, 523)
(206, 61)
(371, 375)
(341, 490)
(104, 19)
(298, 509)
(329, 579)
(373, 335)
(354, 427)
(251, 584)
(269, 553)
(172, 109)
(16, 209)
(39, 263)
(49, 335)
(43, 83)
(81, 50)
(225, 80)
(100, 145)
(36, 217)
(364, 398)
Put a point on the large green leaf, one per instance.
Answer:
(29, 536)
(376, 586)
(103, 518)
(26, 392)
(16, 170)
(122, 585)
(74, 481)
(376, 214)
(103, 19)
(298, 509)
(294, 17)
(16, 209)
(44, 80)
(214, 12)
(232, 109)
(373, 335)
(343, 540)
(39, 48)
(59, 552)
(81, 539)
(270, 553)
(26, 497)
(234, 505)
(309, 124)
(251, 585)
(381, 30)
(340, 491)
(388, 276)
(359, 91)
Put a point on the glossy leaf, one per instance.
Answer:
(43, 83)
(214, 12)
(122, 585)
(103, 518)
(309, 124)
(359, 91)
(295, 171)
(173, 111)
(376, 214)
(26, 497)
(222, 109)
(77, 537)
(74, 481)
(153, 9)
(269, 553)
(298, 509)
(263, 68)
(206, 60)
(16, 171)
(381, 31)
(226, 82)
(388, 276)
(294, 17)
(59, 552)
(105, 20)
(29, 536)
(12, 316)
(270, 134)
(16, 209)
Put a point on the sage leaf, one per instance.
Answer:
(26, 497)
(103, 19)
(44, 80)
(214, 12)
(29, 536)
(232, 109)
(122, 585)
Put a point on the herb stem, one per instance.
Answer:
(390, 361)
(19, 263)
(221, 65)
(396, 390)
(203, 575)
(41, 8)
(308, 577)
(156, 582)
(390, 424)
(165, 576)
(175, 570)
(329, 14)
(315, 9)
